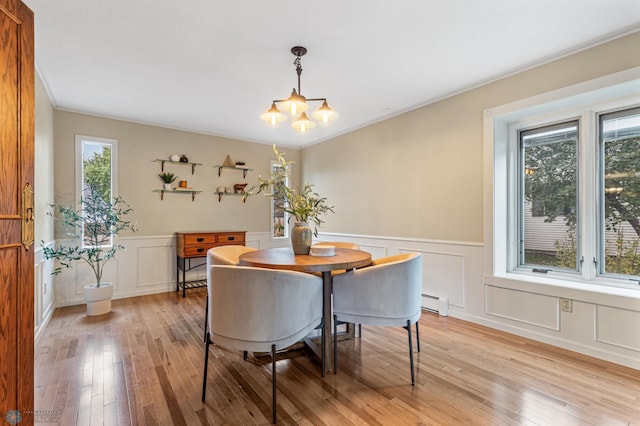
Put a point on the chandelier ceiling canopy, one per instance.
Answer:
(297, 105)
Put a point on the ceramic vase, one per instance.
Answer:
(301, 238)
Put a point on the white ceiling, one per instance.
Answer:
(213, 66)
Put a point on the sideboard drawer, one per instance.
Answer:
(196, 251)
(197, 239)
(230, 238)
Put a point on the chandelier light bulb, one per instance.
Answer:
(302, 124)
(273, 116)
(324, 113)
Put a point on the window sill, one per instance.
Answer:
(560, 286)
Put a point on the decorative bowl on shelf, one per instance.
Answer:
(322, 250)
(175, 157)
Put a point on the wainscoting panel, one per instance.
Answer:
(443, 276)
(163, 264)
(447, 266)
(44, 305)
(530, 308)
(608, 329)
(376, 251)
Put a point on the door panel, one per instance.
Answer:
(16, 171)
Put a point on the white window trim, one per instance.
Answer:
(79, 139)
(609, 92)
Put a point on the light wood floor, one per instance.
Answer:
(142, 365)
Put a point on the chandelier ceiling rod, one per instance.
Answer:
(299, 51)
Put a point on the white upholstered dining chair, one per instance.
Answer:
(222, 255)
(261, 310)
(388, 293)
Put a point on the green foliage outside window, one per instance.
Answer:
(97, 172)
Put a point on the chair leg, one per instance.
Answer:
(206, 318)
(335, 345)
(206, 365)
(273, 383)
(244, 355)
(360, 330)
(408, 328)
(322, 346)
(418, 335)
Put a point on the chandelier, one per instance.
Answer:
(297, 104)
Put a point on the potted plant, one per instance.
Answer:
(92, 228)
(167, 179)
(304, 205)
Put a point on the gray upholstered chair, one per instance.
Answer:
(387, 293)
(222, 255)
(260, 310)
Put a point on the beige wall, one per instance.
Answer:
(419, 174)
(139, 145)
(43, 175)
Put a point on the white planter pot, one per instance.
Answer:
(98, 298)
(166, 186)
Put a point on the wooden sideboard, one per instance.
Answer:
(192, 245)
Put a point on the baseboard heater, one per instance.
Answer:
(435, 304)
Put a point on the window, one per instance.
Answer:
(562, 194)
(619, 147)
(548, 195)
(96, 175)
(279, 218)
(576, 200)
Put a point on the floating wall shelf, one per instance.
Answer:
(177, 191)
(233, 194)
(181, 163)
(244, 171)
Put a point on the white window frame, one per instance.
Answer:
(582, 101)
(80, 140)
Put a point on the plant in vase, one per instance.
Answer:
(92, 228)
(305, 205)
(167, 179)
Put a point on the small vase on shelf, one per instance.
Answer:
(301, 238)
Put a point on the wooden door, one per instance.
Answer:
(16, 212)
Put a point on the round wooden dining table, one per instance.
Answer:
(283, 258)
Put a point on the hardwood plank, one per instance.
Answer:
(142, 364)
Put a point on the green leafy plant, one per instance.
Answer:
(167, 177)
(624, 258)
(92, 228)
(305, 205)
